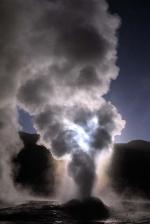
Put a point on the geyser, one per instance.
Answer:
(58, 61)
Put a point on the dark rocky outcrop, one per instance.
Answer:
(88, 209)
(130, 168)
(34, 166)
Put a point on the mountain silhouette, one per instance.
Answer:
(130, 168)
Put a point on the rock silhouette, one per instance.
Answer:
(129, 169)
(88, 209)
(34, 166)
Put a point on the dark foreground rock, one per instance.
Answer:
(88, 209)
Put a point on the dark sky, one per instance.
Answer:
(130, 92)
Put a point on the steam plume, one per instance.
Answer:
(58, 60)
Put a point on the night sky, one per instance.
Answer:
(130, 92)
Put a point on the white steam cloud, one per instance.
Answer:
(58, 59)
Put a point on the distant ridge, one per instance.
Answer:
(130, 168)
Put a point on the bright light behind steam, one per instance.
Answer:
(57, 63)
(82, 134)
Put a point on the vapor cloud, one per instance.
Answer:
(58, 59)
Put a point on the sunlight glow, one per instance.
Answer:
(82, 134)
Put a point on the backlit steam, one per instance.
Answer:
(58, 61)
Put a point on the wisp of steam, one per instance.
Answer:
(58, 59)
